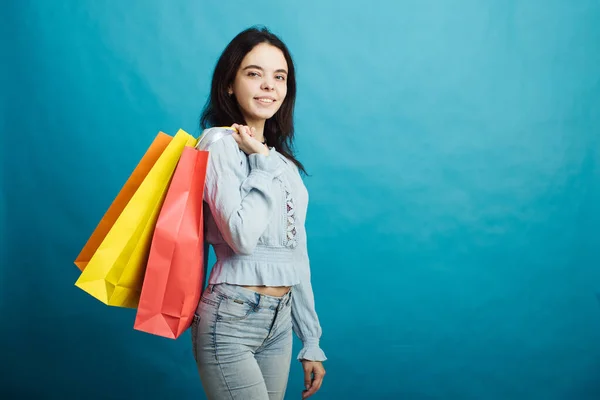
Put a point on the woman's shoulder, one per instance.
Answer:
(224, 152)
(287, 161)
(217, 139)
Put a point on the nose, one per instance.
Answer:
(268, 84)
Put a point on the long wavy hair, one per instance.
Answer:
(223, 110)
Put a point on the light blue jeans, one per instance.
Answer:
(242, 343)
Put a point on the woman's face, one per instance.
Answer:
(260, 85)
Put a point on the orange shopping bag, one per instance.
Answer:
(176, 268)
(116, 208)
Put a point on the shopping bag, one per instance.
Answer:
(131, 185)
(175, 271)
(115, 272)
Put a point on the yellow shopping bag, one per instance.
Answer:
(129, 188)
(115, 273)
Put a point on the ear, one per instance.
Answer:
(230, 90)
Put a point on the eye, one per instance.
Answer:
(252, 73)
(280, 77)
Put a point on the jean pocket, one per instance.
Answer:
(231, 309)
(211, 299)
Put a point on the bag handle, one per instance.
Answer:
(212, 135)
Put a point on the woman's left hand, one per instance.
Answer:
(313, 377)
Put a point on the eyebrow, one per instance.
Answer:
(261, 68)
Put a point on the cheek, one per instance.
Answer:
(243, 87)
(282, 90)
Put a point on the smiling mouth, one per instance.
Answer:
(264, 100)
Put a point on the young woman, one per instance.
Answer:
(259, 290)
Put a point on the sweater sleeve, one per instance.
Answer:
(241, 203)
(304, 317)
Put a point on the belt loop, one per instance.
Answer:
(258, 298)
(210, 288)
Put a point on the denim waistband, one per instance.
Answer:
(258, 300)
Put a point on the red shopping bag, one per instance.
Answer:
(176, 270)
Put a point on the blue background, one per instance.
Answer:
(454, 149)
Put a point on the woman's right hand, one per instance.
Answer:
(244, 137)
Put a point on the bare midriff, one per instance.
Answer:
(275, 291)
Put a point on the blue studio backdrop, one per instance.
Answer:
(454, 153)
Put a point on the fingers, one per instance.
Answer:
(240, 130)
(317, 382)
(245, 138)
(240, 134)
(237, 128)
(314, 387)
(244, 130)
(250, 131)
(314, 384)
(307, 378)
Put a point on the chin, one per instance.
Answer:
(263, 115)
